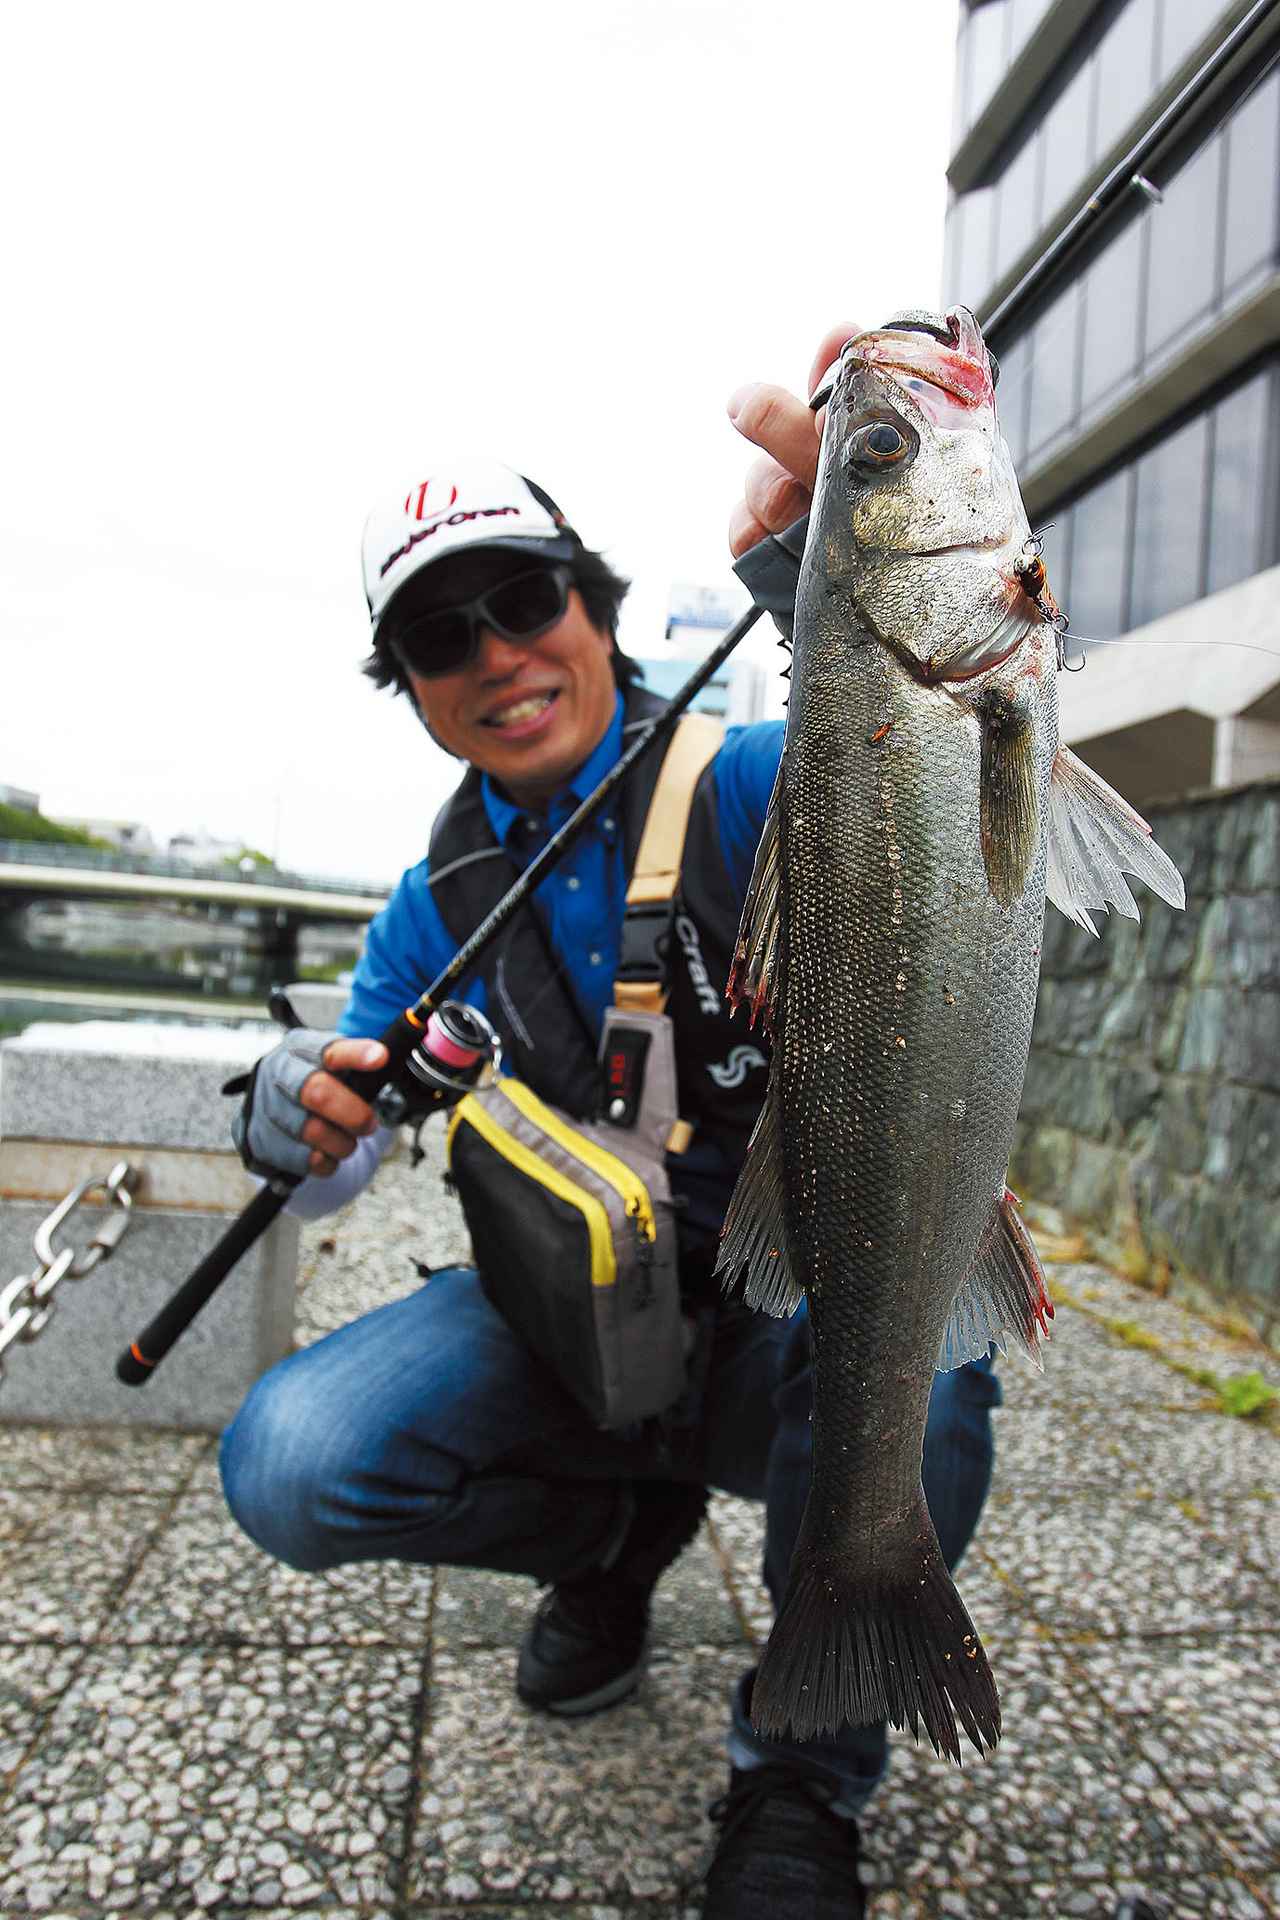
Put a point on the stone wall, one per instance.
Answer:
(1151, 1114)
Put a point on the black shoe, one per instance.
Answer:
(588, 1644)
(782, 1851)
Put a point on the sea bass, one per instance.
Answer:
(923, 810)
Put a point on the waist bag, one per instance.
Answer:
(571, 1221)
(573, 1231)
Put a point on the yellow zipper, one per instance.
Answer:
(604, 1266)
(623, 1179)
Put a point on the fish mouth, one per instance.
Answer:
(943, 352)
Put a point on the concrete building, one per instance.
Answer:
(126, 836)
(1140, 394)
(697, 618)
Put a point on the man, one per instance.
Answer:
(426, 1431)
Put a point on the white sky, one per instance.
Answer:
(269, 264)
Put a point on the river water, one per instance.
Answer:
(79, 960)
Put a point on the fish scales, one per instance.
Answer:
(892, 938)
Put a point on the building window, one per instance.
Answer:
(1182, 26)
(1054, 344)
(1239, 483)
(1011, 397)
(1025, 17)
(1183, 249)
(1253, 185)
(975, 211)
(1018, 220)
(1126, 61)
(1168, 524)
(1111, 316)
(985, 56)
(1100, 559)
(1066, 142)
(952, 254)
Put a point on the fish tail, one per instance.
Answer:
(898, 1647)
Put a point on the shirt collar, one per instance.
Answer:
(505, 816)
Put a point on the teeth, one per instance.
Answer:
(522, 710)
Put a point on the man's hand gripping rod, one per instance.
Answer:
(140, 1359)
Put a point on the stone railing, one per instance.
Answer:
(1151, 1114)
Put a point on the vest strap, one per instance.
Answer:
(641, 982)
(696, 739)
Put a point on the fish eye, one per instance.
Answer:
(885, 442)
(878, 445)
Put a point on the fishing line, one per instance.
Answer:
(1161, 640)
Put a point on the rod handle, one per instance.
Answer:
(142, 1356)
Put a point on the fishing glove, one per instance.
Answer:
(769, 571)
(268, 1128)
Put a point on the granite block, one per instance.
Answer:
(1097, 1564)
(317, 1004)
(96, 1459)
(1187, 1456)
(1063, 1802)
(521, 1808)
(170, 1782)
(124, 1084)
(67, 1375)
(205, 1582)
(62, 1581)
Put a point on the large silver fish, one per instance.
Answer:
(891, 938)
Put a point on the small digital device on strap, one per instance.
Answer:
(622, 1065)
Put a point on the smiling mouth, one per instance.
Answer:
(520, 710)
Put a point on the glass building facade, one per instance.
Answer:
(1140, 395)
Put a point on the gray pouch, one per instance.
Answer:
(574, 1232)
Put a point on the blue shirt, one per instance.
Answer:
(583, 896)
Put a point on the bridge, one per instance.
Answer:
(99, 918)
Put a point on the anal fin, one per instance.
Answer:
(754, 1236)
(1003, 1293)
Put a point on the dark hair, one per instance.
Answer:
(602, 591)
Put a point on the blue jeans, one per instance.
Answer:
(426, 1432)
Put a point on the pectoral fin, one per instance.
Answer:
(1095, 838)
(1004, 1293)
(1009, 812)
(754, 978)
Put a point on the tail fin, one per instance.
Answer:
(900, 1648)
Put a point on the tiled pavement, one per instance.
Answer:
(187, 1728)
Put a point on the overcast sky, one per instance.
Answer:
(269, 264)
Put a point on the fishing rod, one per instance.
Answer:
(1127, 175)
(403, 1037)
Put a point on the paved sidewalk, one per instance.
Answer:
(187, 1728)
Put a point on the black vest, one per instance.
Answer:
(721, 1064)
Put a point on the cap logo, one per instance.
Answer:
(416, 502)
(458, 519)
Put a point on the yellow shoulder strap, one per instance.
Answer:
(656, 872)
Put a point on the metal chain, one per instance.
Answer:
(26, 1304)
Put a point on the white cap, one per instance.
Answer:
(474, 503)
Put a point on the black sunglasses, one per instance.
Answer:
(520, 608)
